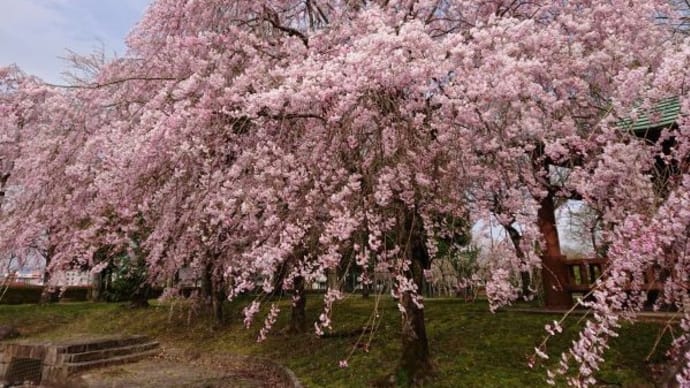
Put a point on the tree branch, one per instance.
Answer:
(98, 85)
(272, 17)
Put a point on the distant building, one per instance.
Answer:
(70, 278)
(76, 278)
(22, 279)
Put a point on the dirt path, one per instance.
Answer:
(174, 368)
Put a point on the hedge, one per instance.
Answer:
(25, 294)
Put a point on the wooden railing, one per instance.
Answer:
(583, 273)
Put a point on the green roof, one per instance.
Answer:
(663, 114)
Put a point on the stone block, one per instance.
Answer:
(51, 356)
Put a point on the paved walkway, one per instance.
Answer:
(157, 373)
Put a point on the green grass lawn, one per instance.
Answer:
(471, 347)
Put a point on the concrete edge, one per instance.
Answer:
(643, 316)
(288, 375)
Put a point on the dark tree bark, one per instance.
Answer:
(213, 294)
(366, 290)
(140, 297)
(516, 238)
(48, 294)
(554, 270)
(97, 287)
(218, 300)
(105, 279)
(3, 181)
(101, 280)
(415, 363)
(206, 284)
(142, 291)
(525, 282)
(298, 316)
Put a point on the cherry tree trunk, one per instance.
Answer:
(298, 316)
(332, 279)
(415, 363)
(102, 284)
(48, 294)
(217, 303)
(140, 297)
(96, 287)
(525, 277)
(366, 290)
(212, 294)
(3, 181)
(142, 292)
(554, 272)
(526, 280)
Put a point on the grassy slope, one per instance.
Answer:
(471, 347)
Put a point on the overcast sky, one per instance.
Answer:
(35, 33)
(573, 240)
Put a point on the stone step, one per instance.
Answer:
(74, 367)
(108, 353)
(58, 374)
(89, 345)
